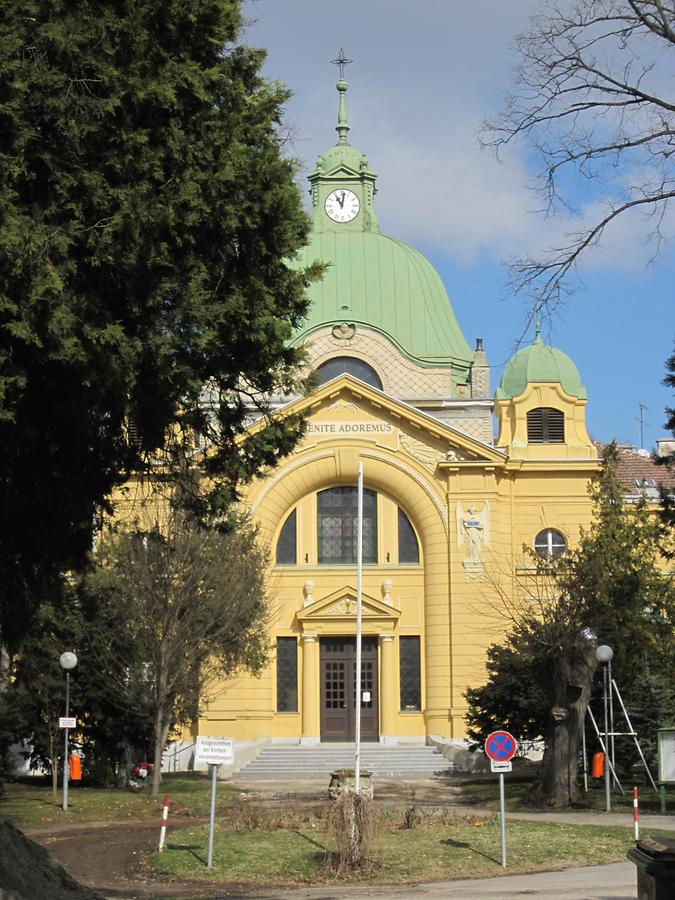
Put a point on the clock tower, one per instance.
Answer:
(342, 185)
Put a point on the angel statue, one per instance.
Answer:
(473, 527)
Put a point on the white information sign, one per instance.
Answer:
(503, 766)
(214, 751)
(67, 722)
(666, 755)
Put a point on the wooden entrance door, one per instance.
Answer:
(338, 689)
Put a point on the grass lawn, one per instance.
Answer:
(32, 803)
(288, 852)
(485, 792)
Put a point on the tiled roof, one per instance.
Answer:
(640, 474)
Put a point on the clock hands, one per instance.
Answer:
(342, 205)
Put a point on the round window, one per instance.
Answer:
(550, 543)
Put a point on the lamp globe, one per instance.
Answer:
(68, 660)
(604, 654)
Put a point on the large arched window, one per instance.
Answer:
(349, 365)
(545, 426)
(408, 548)
(337, 510)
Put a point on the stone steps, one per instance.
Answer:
(295, 762)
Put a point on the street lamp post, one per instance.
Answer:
(68, 661)
(604, 655)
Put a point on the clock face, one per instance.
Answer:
(342, 205)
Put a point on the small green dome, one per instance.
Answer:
(386, 285)
(540, 363)
(343, 155)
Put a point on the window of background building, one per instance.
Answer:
(408, 548)
(287, 674)
(287, 544)
(409, 668)
(545, 425)
(337, 517)
(348, 365)
(550, 543)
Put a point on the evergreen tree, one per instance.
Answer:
(147, 220)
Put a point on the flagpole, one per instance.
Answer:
(359, 616)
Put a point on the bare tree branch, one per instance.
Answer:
(595, 102)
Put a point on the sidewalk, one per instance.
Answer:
(613, 882)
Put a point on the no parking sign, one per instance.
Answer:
(500, 748)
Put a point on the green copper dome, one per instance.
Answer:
(384, 284)
(540, 363)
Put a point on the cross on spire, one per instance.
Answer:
(341, 61)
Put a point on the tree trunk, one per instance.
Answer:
(571, 676)
(125, 766)
(162, 726)
(55, 765)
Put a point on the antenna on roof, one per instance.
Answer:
(641, 420)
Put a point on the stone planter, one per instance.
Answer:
(343, 780)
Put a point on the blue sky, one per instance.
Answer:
(425, 74)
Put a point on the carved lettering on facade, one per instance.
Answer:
(345, 428)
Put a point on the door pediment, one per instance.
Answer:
(330, 614)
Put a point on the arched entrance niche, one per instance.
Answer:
(422, 498)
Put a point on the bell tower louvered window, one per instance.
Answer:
(545, 426)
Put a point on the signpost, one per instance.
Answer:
(500, 748)
(214, 751)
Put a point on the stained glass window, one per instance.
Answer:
(348, 365)
(408, 548)
(409, 667)
(287, 542)
(338, 521)
(287, 674)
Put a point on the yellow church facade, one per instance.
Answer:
(448, 506)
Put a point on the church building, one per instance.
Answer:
(449, 499)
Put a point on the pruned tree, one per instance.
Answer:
(193, 607)
(149, 220)
(610, 589)
(594, 100)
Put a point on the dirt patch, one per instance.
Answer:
(27, 872)
(114, 860)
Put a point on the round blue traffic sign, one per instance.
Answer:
(501, 746)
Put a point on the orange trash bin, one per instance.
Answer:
(598, 765)
(75, 766)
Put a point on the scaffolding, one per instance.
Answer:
(607, 744)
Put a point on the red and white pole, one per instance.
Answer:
(636, 812)
(165, 822)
